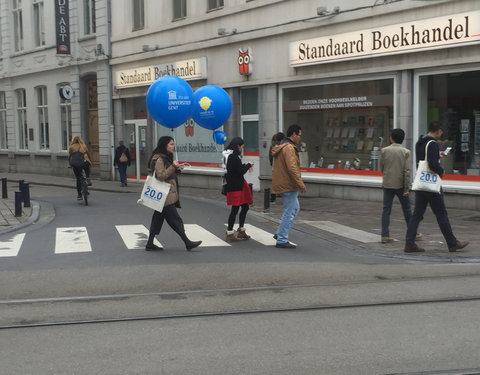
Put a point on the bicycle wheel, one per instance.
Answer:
(84, 188)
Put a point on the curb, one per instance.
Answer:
(33, 218)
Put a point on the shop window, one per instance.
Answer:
(454, 100)
(42, 112)
(249, 100)
(179, 9)
(22, 126)
(89, 17)
(3, 122)
(343, 125)
(138, 15)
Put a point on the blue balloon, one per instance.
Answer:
(219, 137)
(170, 101)
(212, 107)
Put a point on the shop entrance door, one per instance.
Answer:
(251, 149)
(135, 138)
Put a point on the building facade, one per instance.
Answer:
(347, 72)
(55, 83)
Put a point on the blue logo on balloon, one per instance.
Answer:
(219, 137)
(212, 107)
(170, 101)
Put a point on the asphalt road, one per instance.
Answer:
(327, 307)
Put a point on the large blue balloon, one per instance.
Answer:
(212, 107)
(170, 101)
(219, 137)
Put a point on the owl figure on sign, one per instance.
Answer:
(245, 60)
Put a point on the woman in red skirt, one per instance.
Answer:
(238, 191)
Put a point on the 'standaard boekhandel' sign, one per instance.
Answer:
(448, 31)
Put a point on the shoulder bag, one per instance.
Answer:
(154, 193)
(425, 179)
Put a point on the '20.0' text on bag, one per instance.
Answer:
(425, 179)
(154, 193)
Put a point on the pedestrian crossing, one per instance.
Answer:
(70, 240)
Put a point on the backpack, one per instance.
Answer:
(123, 158)
(77, 159)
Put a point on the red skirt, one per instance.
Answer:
(237, 198)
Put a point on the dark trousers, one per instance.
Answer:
(78, 174)
(170, 214)
(388, 195)
(122, 171)
(422, 199)
(233, 215)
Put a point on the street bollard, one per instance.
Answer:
(266, 198)
(26, 194)
(20, 184)
(18, 203)
(4, 188)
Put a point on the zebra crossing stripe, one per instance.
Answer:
(260, 235)
(196, 232)
(135, 236)
(344, 231)
(72, 240)
(11, 247)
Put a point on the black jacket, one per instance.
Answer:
(433, 156)
(118, 152)
(235, 172)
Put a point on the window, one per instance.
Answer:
(215, 4)
(42, 111)
(38, 23)
(89, 17)
(179, 9)
(22, 119)
(249, 110)
(343, 125)
(138, 15)
(17, 25)
(65, 122)
(3, 122)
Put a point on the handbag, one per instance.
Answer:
(425, 179)
(154, 193)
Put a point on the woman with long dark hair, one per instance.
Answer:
(238, 191)
(166, 170)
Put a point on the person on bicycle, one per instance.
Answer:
(79, 159)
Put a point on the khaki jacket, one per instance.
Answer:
(168, 175)
(286, 174)
(395, 165)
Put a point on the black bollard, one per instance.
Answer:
(26, 194)
(266, 198)
(4, 188)
(18, 203)
(20, 184)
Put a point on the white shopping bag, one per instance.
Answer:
(154, 193)
(425, 179)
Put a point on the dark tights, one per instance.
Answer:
(233, 215)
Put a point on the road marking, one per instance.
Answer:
(135, 236)
(344, 231)
(196, 232)
(11, 247)
(260, 235)
(72, 240)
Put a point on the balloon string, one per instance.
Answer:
(175, 143)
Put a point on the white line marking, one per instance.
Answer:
(72, 240)
(344, 231)
(135, 236)
(196, 233)
(262, 236)
(11, 247)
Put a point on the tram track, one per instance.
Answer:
(115, 308)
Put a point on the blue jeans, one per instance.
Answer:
(388, 195)
(290, 211)
(122, 171)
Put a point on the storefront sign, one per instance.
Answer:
(347, 102)
(62, 22)
(447, 31)
(145, 76)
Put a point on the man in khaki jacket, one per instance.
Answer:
(395, 164)
(287, 180)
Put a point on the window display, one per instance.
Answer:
(454, 100)
(344, 125)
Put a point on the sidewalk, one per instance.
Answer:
(355, 222)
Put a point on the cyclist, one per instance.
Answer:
(79, 159)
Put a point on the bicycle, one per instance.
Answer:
(84, 188)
